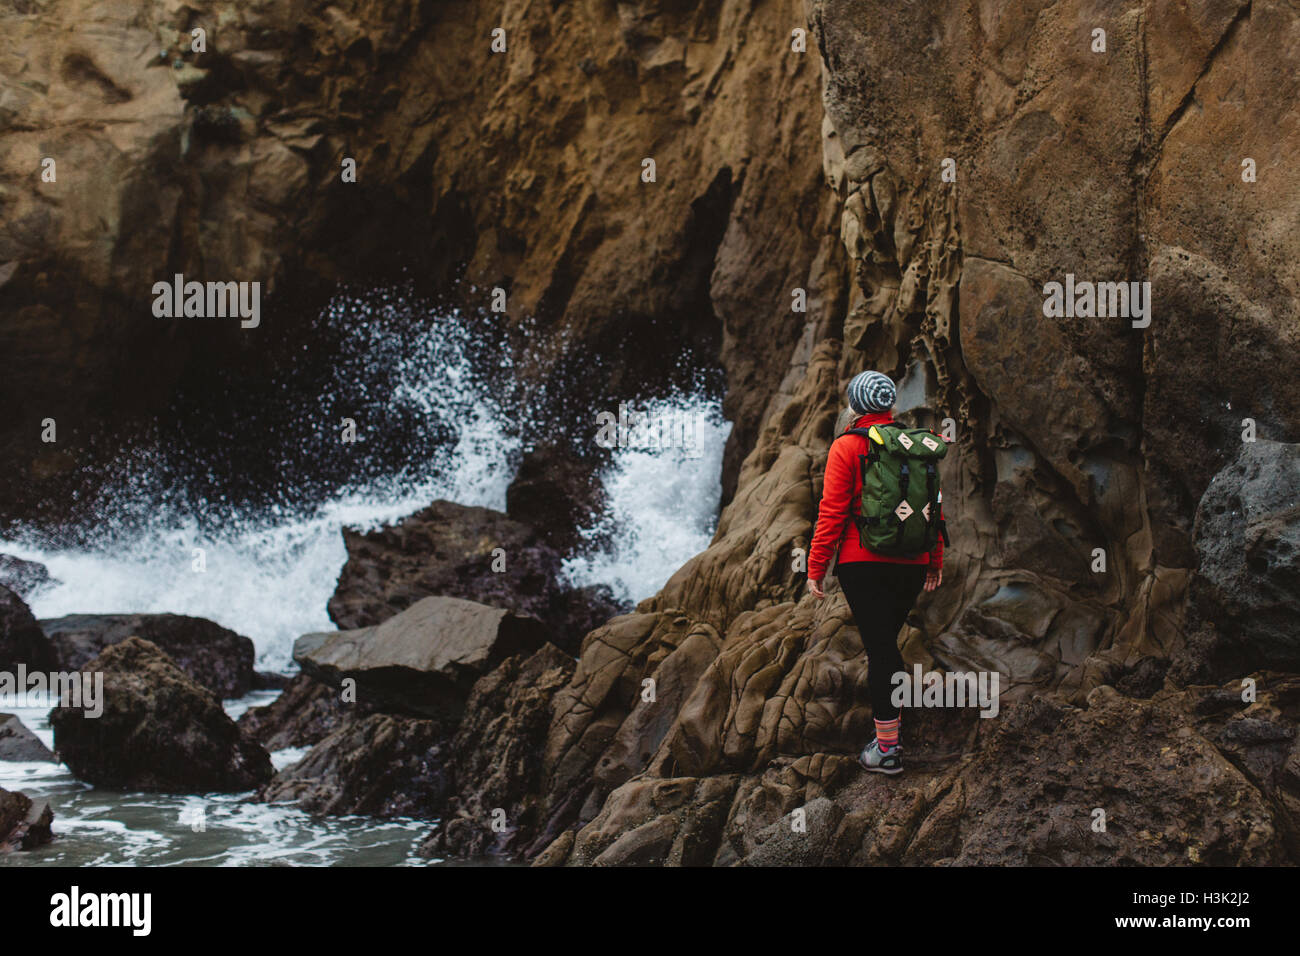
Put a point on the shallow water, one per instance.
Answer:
(96, 827)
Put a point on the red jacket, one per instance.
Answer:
(836, 534)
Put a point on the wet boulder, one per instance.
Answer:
(303, 715)
(384, 765)
(23, 577)
(496, 759)
(24, 823)
(216, 657)
(557, 493)
(21, 638)
(19, 743)
(159, 730)
(425, 660)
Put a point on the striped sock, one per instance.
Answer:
(887, 733)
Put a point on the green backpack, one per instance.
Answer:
(898, 509)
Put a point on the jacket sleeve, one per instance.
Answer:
(833, 513)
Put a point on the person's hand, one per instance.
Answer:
(816, 588)
(933, 578)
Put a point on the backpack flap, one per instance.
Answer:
(913, 442)
(898, 511)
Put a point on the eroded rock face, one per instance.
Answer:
(692, 729)
(1193, 776)
(655, 821)
(215, 656)
(1083, 445)
(159, 730)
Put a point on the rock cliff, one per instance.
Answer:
(521, 170)
(1083, 447)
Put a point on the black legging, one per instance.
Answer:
(880, 594)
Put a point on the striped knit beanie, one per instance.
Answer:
(871, 392)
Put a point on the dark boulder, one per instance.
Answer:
(23, 577)
(24, 823)
(1245, 592)
(21, 638)
(303, 715)
(556, 493)
(385, 765)
(159, 731)
(216, 657)
(19, 743)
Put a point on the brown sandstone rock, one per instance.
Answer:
(520, 170)
(423, 661)
(1076, 437)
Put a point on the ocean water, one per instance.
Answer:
(96, 827)
(267, 572)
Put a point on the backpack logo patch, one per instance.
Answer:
(925, 512)
(905, 441)
(903, 510)
(930, 443)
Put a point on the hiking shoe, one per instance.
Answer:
(872, 759)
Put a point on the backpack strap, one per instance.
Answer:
(932, 495)
(904, 479)
(864, 462)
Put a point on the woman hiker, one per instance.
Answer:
(880, 588)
